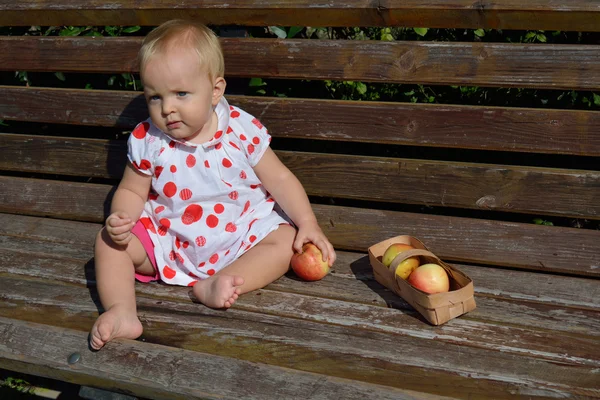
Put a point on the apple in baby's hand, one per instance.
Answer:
(430, 278)
(309, 264)
(407, 266)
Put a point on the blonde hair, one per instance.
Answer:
(181, 33)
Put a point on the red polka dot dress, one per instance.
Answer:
(206, 206)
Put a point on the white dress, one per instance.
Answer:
(206, 206)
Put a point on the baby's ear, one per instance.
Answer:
(218, 90)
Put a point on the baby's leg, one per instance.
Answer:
(115, 280)
(259, 266)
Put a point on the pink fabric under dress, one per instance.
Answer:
(206, 206)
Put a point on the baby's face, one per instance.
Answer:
(180, 95)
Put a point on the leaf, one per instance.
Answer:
(60, 76)
(71, 31)
(132, 29)
(254, 82)
(112, 30)
(420, 31)
(294, 30)
(279, 32)
(361, 88)
(479, 33)
(111, 80)
(596, 99)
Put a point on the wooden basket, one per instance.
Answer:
(437, 308)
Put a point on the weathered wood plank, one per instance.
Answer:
(540, 191)
(45, 197)
(59, 232)
(74, 240)
(544, 66)
(161, 372)
(468, 240)
(341, 349)
(455, 239)
(507, 14)
(517, 300)
(484, 128)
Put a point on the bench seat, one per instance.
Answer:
(341, 328)
(467, 179)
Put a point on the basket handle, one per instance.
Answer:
(408, 254)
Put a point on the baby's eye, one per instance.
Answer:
(182, 94)
(153, 98)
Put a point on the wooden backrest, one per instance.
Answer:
(463, 178)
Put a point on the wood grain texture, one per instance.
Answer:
(484, 128)
(543, 66)
(162, 372)
(455, 239)
(72, 242)
(506, 14)
(338, 331)
(540, 191)
(336, 338)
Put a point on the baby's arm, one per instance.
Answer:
(288, 192)
(127, 204)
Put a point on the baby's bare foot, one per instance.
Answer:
(117, 322)
(219, 291)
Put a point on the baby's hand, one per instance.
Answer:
(311, 232)
(118, 226)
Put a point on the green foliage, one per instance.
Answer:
(539, 221)
(19, 385)
(468, 95)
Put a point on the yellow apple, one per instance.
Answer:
(407, 266)
(430, 278)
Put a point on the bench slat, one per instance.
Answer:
(340, 345)
(551, 66)
(528, 246)
(535, 14)
(29, 235)
(44, 349)
(484, 128)
(541, 191)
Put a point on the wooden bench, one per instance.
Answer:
(467, 180)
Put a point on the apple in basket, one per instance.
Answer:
(430, 278)
(309, 264)
(407, 266)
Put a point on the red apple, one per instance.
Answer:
(406, 267)
(309, 264)
(430, 278)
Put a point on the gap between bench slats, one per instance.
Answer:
(484, 128)
(576, 15)
(540, 191)
(543, 66)
(529, 246)
(326, 333)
